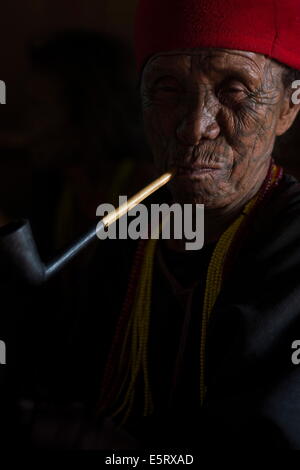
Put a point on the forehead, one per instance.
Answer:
(209, 60)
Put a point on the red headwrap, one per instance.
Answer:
(270, 27)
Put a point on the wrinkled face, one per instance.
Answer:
(213, 115)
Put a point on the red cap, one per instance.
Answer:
(270, 27)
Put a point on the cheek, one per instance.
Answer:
(252, 147)
(250, 131)
(159, 120)
(160, 129)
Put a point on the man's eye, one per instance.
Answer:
(167, 85)
(232, 92)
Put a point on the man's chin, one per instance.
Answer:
(194, 193)
(192, 198)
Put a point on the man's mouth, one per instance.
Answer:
(196, 170)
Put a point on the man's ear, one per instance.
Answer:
(287, 115)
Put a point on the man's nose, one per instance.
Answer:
(199, 121)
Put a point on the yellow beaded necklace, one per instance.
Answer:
(133, 357)
(214, 283)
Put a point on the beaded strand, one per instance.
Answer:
(135, 317)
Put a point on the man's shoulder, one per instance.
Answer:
(288, 194)
(281, 209)
(275, 227)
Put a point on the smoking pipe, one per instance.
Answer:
(19, 252)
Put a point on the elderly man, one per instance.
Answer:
(204, 343)
(205, 340)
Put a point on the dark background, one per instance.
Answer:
(70, 138)
(24, 24)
